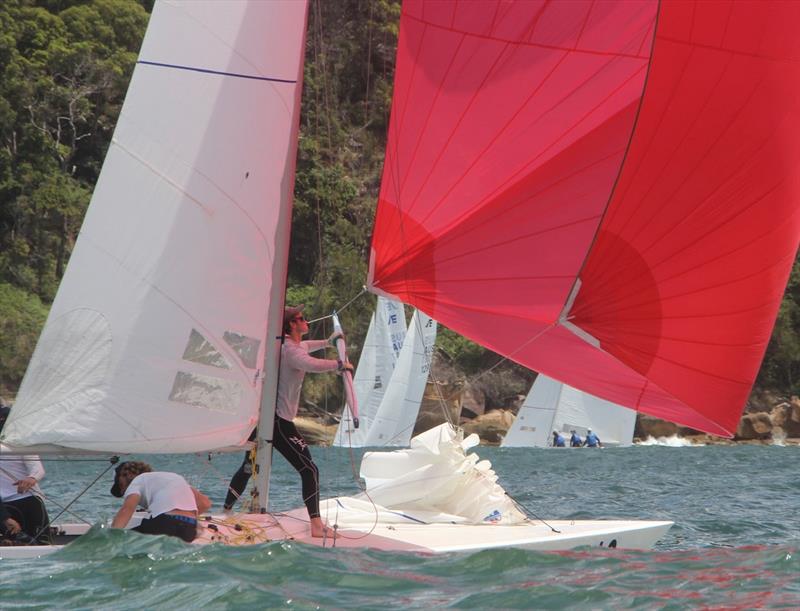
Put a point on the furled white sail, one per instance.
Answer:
(155, 341)
(553, 406)
(385, 336)
(394, 422)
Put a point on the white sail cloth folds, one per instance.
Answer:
(436, 476)
(155, 340)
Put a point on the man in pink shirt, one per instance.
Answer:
(295, 362)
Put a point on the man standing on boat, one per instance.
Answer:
(295, 363)
(173, 504)
(575, 441)
(558, 440)
(592, 440)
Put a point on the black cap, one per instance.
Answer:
(116, 489)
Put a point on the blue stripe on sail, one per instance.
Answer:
(207, 71)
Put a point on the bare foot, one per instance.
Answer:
(319, 530)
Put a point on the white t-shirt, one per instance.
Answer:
(295, 362)
(15, 468)
(162, 491)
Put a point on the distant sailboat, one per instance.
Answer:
(393, 423)
(382, 345)
(553, 406)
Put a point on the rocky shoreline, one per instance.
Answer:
(768, 420)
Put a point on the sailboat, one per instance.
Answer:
(604, 192)
(382, 345)
(553, 406)
(392, 410)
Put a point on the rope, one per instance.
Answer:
(530, 513)
(113, 460)
(339, 310)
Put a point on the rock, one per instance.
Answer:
(431, 412)
(786, 416)
(756, 425)
(647, 426)
(473, 401)
(761, 400)
(315, 432)
(491, 427)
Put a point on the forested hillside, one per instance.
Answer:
(65, 66)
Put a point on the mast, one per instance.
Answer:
(277, 296)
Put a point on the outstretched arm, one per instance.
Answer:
(306, 362)
(125, 512)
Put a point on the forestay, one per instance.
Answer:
(155, 341)
(605, 192)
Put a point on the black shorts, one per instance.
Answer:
(173, 526)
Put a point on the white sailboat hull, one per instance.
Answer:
(442, 538)
(251, 529)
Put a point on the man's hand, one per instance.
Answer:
(12, 526)
(334, 336)
(347, 366)
(25, 484)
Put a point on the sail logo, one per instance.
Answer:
(493, 517)
(299, 442)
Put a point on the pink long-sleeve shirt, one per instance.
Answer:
(295, 362)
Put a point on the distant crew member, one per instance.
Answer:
(575, 441)
(558, 440)
(592, 440)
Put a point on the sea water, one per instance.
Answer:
(735, 543)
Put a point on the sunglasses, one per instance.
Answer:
(299, 319)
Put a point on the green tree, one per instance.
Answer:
(21, 318)
(63, 74)
(781, 366)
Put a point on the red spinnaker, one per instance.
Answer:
(605, 192)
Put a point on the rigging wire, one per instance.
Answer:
(112, 461)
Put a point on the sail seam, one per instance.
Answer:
(565, 313)
(520, 43)
(217, 72)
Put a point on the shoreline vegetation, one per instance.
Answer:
(63, 77)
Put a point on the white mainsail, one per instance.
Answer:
(385, 337)
(394, 422)
(155, 341)
(553, 406)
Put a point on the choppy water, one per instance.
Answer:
(735, 544)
